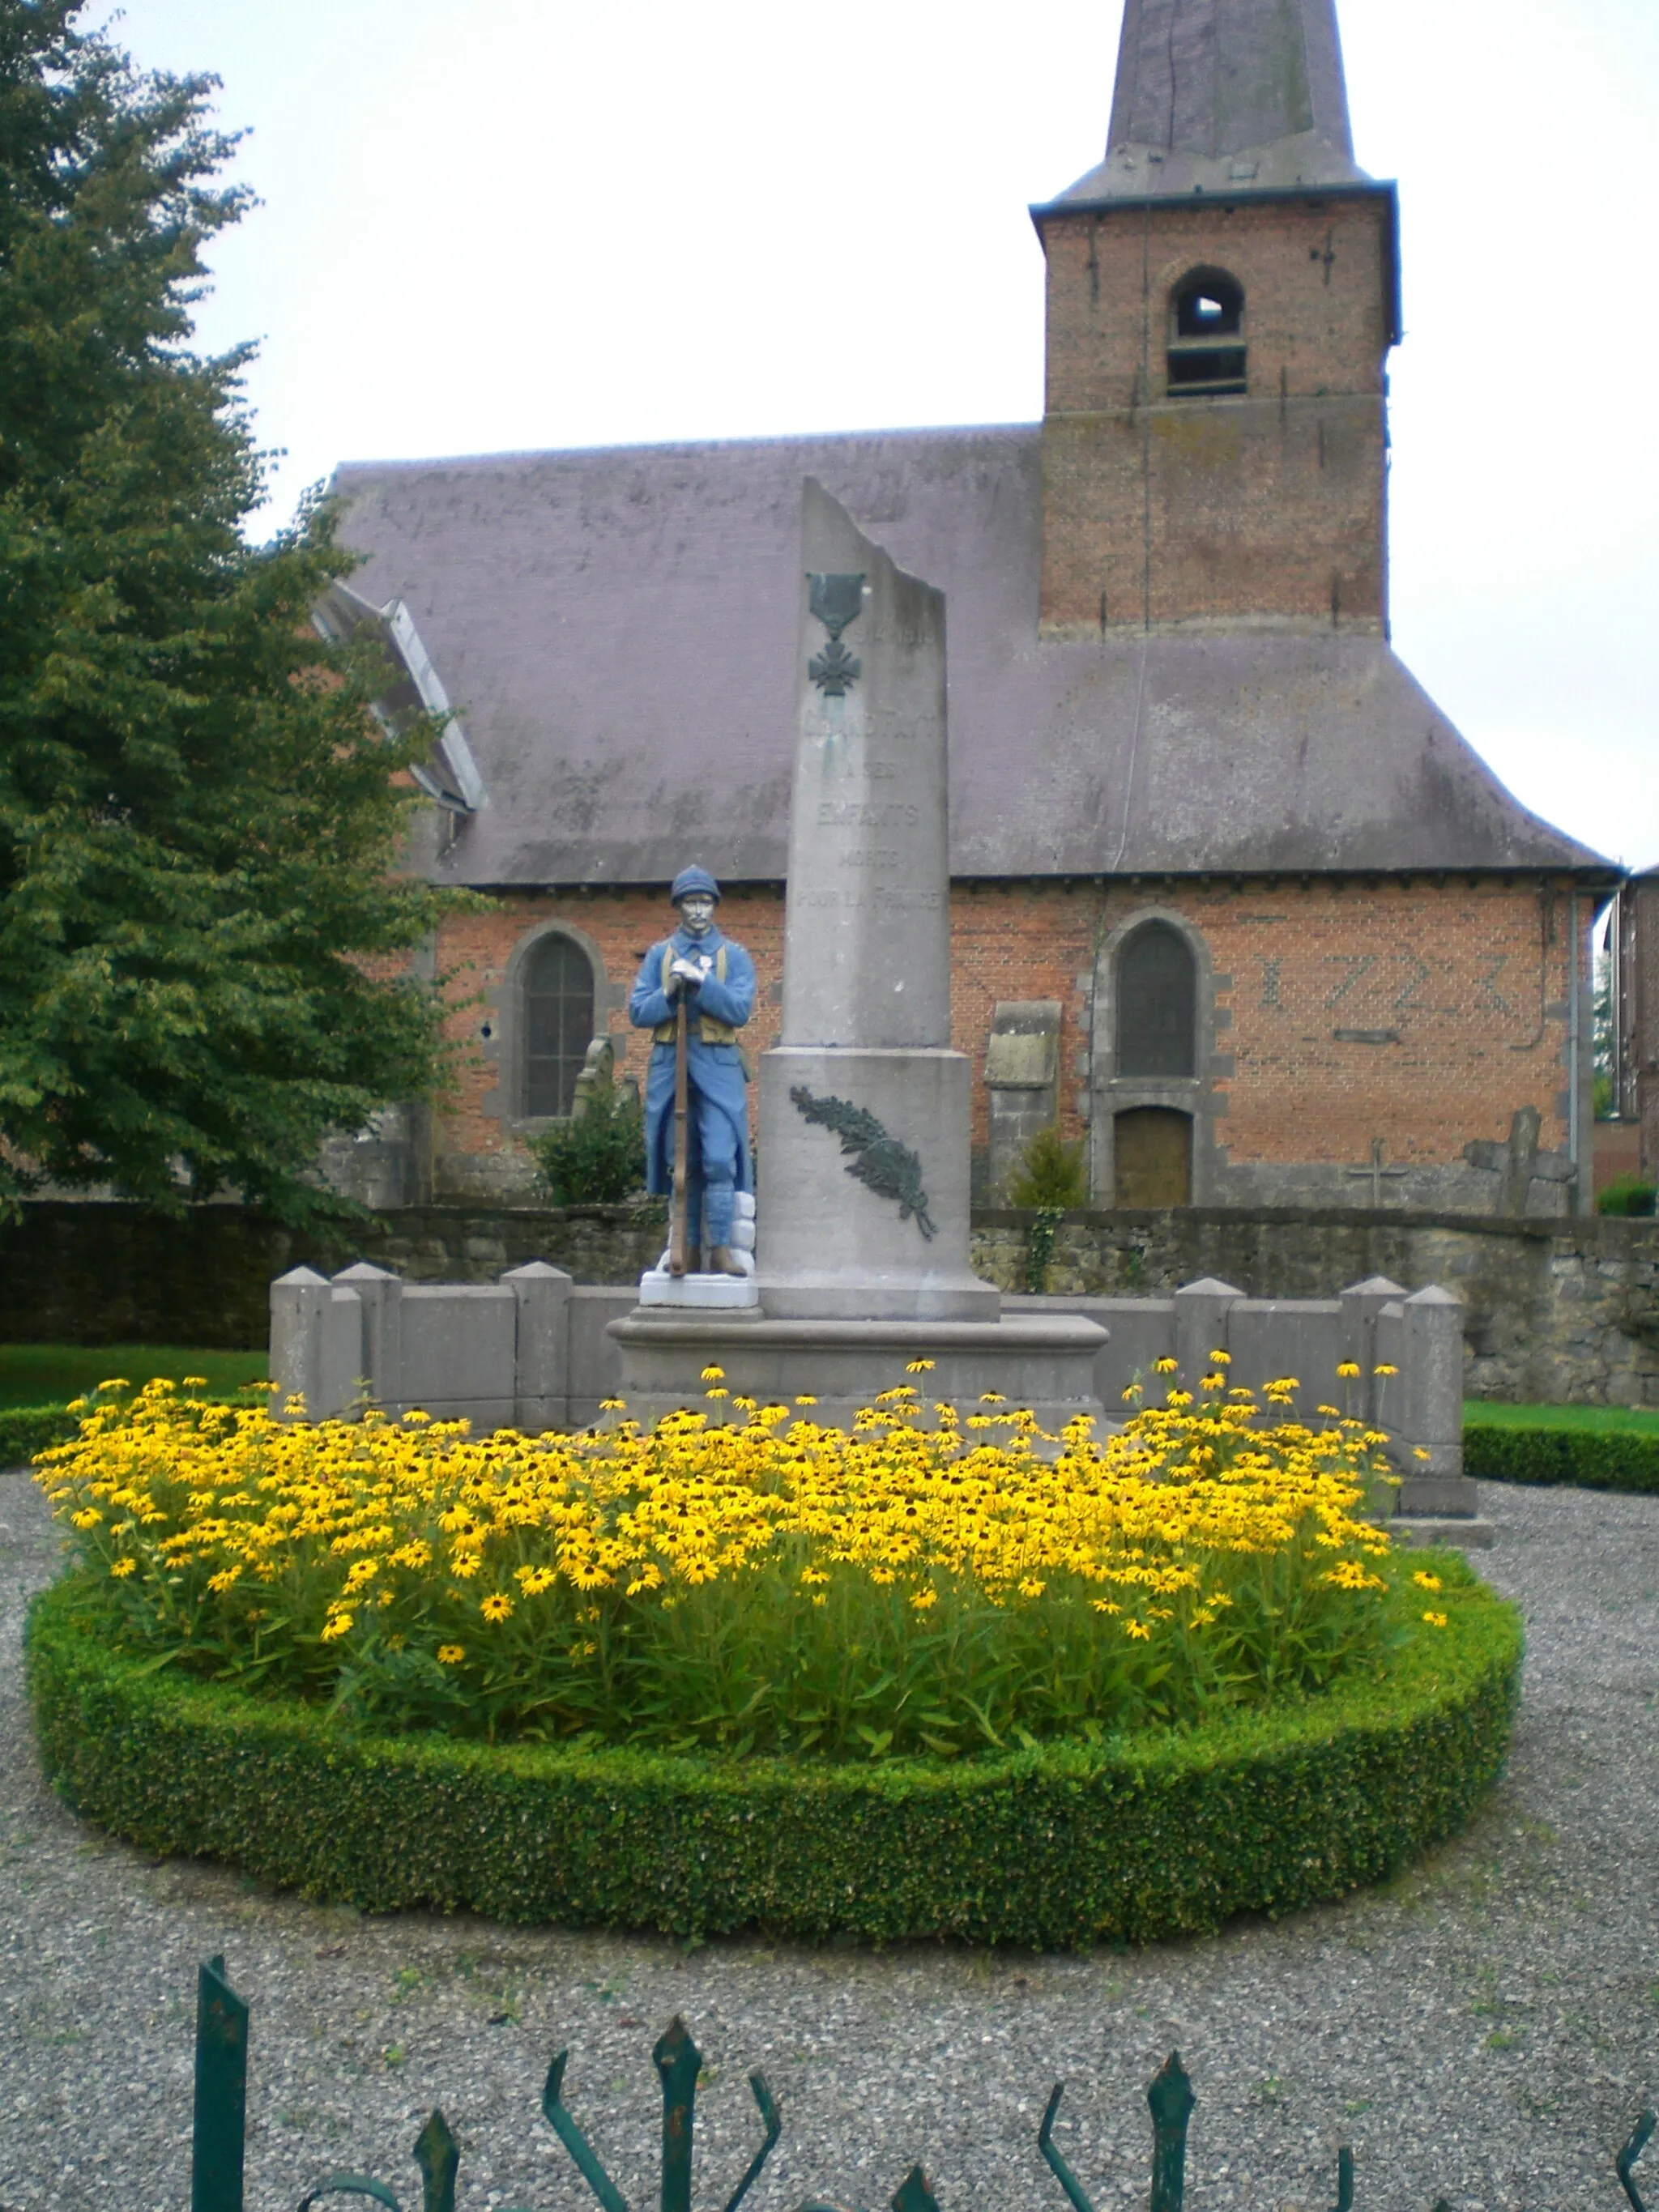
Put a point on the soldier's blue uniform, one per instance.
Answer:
(717, 1160)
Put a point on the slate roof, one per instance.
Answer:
(618, 628)
(1225, 95)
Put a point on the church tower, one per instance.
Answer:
(1222, 295)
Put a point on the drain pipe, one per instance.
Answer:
(1574, 1132)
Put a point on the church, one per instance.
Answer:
(1232, 901)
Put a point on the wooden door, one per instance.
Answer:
(1152, 1148)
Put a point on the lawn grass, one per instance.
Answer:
(1596, 1421)
(51, 1374)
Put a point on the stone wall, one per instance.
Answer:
(1561, 1311)
(1557, 1312)
(73, 1273)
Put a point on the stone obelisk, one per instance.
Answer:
(864, 1106)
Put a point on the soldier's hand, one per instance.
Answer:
(687, 974)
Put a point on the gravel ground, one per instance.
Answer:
(1487, 2027)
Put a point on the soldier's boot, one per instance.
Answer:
(693, 1258)
(723, 1261)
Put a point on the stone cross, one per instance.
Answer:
(1518, 1162)
(1377, 1172)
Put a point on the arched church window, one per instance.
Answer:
(1157, 1004)
(558, 1023)
(1206, 335)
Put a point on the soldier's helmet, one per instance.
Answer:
(693, 879)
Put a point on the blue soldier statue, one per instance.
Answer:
(717, 979)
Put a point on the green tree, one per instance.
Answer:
(204, 939)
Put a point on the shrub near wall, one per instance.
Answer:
(1162, 1834)
(1588, 1458)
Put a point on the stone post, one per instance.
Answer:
(1431, 1421)
(1200, 1325)
(865, 1108)
(381, 1293)
(316, 1344)
(1362, 1303)
(541, 1365)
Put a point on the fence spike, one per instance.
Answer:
(219, 2119)
(772, 2121)
(913, 2193)
(679, 2061)
(439, 2158)
(1170, 2094)
(1344, 2178)
(581, 2152)
(349, 2184)
(1057, 2166)
(1633, 2150)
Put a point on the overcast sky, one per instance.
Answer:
(499, 224)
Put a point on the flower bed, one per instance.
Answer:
(734, 1672)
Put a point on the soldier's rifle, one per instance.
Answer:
(676, 1237)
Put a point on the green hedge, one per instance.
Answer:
(1158, 1835)
(26, 1429)
(1592, 1458)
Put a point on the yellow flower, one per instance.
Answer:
(223, 1581)
(713, 1375)
(1221, 1359)
(120, 1567)
(1165, 1366)
(806, 1401)
(1435, 1620)
(1385, 1370)
(450, 1654)
(1347, 1368)
(923, 1598)
(992, 1398)
(716, 1394)
(1417, 1452)
(612, 1405)
(196, 1382)
(1426, 1581)
(336, 1625)
(919, 1366)
(496, 1606)
(89, 1519)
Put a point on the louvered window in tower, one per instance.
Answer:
(558, 1023)
(1206, 336)
(1156, 1005)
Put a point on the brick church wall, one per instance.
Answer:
(1335, 1012)
(1268, 506)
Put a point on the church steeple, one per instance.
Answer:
(1225, 95)
(1222, 297)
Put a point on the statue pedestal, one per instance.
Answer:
(1047, 1363)
(855, 1135)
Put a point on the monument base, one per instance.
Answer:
(698, 1293)
(1046, 1363)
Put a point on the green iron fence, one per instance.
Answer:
(221, 2025)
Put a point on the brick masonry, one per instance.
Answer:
(1268, 505)
(1337, 1011)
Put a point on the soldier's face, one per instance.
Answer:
(697, 913)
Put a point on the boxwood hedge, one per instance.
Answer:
(1152, 1835)
(1593, 1459)
(26, 1429)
